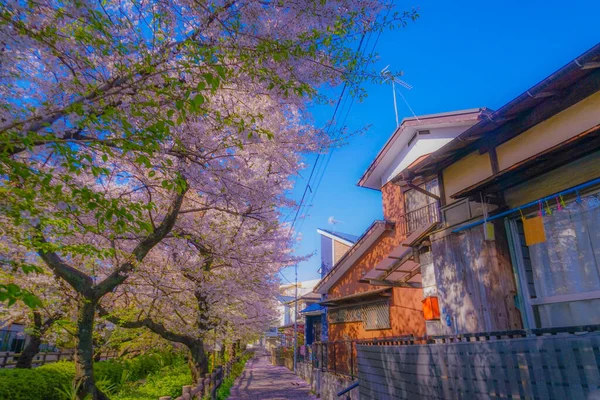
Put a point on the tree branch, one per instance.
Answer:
(142, 249)
(155, 327)
(79, 281)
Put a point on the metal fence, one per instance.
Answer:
(338, 357)
(8, 359)
(557, 363)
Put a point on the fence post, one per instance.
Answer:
(164, 398)
(352, 359)
(334, 357)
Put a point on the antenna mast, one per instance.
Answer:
(387, 75)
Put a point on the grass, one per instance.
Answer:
(224, 390)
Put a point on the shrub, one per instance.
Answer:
(51, 381)
(56, 376)
(166, 382)
(110, 370)
(22, 384)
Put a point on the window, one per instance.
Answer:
(345, 314)
(560, 278)
(377, 316)
(373, 315)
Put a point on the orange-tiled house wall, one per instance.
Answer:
(406, 310)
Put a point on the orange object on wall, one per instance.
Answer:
(431, 308)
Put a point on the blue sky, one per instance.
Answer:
(457, 55)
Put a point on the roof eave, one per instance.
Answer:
(423, 120)
(498, 118)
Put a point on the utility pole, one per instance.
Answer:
(296, 320)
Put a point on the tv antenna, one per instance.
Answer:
(388, 76)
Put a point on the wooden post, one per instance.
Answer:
(164, 398)
(186, 389)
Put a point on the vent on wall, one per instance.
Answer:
(417, 133)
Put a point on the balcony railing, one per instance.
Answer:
(415, 219)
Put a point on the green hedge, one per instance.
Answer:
(42, 383)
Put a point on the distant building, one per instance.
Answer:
(333, 247)
(280, 335)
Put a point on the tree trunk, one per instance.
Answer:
(32, 348)
(35, 339)
(84, 356)
(198, 361)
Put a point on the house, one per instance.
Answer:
(13, 337)
(333, 247)
(283, 332)
(520, 239)
(516, 237)
(516, 245)
(375, 290)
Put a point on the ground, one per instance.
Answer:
(261, 380)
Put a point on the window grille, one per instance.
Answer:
(373, 316)
(377, 315)
(345, 314)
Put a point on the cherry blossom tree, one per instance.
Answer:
(220, 273)
(122, 123)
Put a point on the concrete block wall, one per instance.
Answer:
(324, 384)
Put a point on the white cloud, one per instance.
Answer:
(333, 221)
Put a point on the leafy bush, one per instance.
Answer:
(53, 381)
(56, 376)
(110, 370)
(166, 382)
(21, 384)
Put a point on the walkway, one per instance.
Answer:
(263, 381)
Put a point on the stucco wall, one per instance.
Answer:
(562, 126)
(339, 249)
(467, 171)
(568, 123)
(424, 144)
(406, 313)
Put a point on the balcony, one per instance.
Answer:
(423, 217)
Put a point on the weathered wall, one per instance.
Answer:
(535, 367)
(406, 312)
(475, 281)
(569, 175)
(325, 384)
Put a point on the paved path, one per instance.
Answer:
(263, 381)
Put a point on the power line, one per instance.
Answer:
(343, 122)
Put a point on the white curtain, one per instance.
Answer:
(568, 263)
